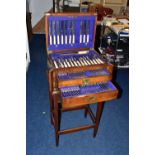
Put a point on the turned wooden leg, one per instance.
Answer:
(98, 116)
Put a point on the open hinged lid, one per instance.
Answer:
(70, 31)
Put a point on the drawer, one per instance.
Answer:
(76, 96)
(83, 78)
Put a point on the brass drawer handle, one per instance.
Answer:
(85, 81)
(91, 99)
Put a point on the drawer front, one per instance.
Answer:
(87, 77)
(89, 99)
(84, 81)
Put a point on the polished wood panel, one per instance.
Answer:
(89, 99)
(81, 81)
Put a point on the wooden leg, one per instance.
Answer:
(56, 127)
(85, 112)
(50, 97)
(98, 116)
(51, 108)
(56, 120)
(52, 117)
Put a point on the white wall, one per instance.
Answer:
(27, 52)
(38, 8)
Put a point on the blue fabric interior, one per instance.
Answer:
(88, 73)
(66, 31)
(77, 90)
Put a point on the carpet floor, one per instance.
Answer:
(113, 132)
